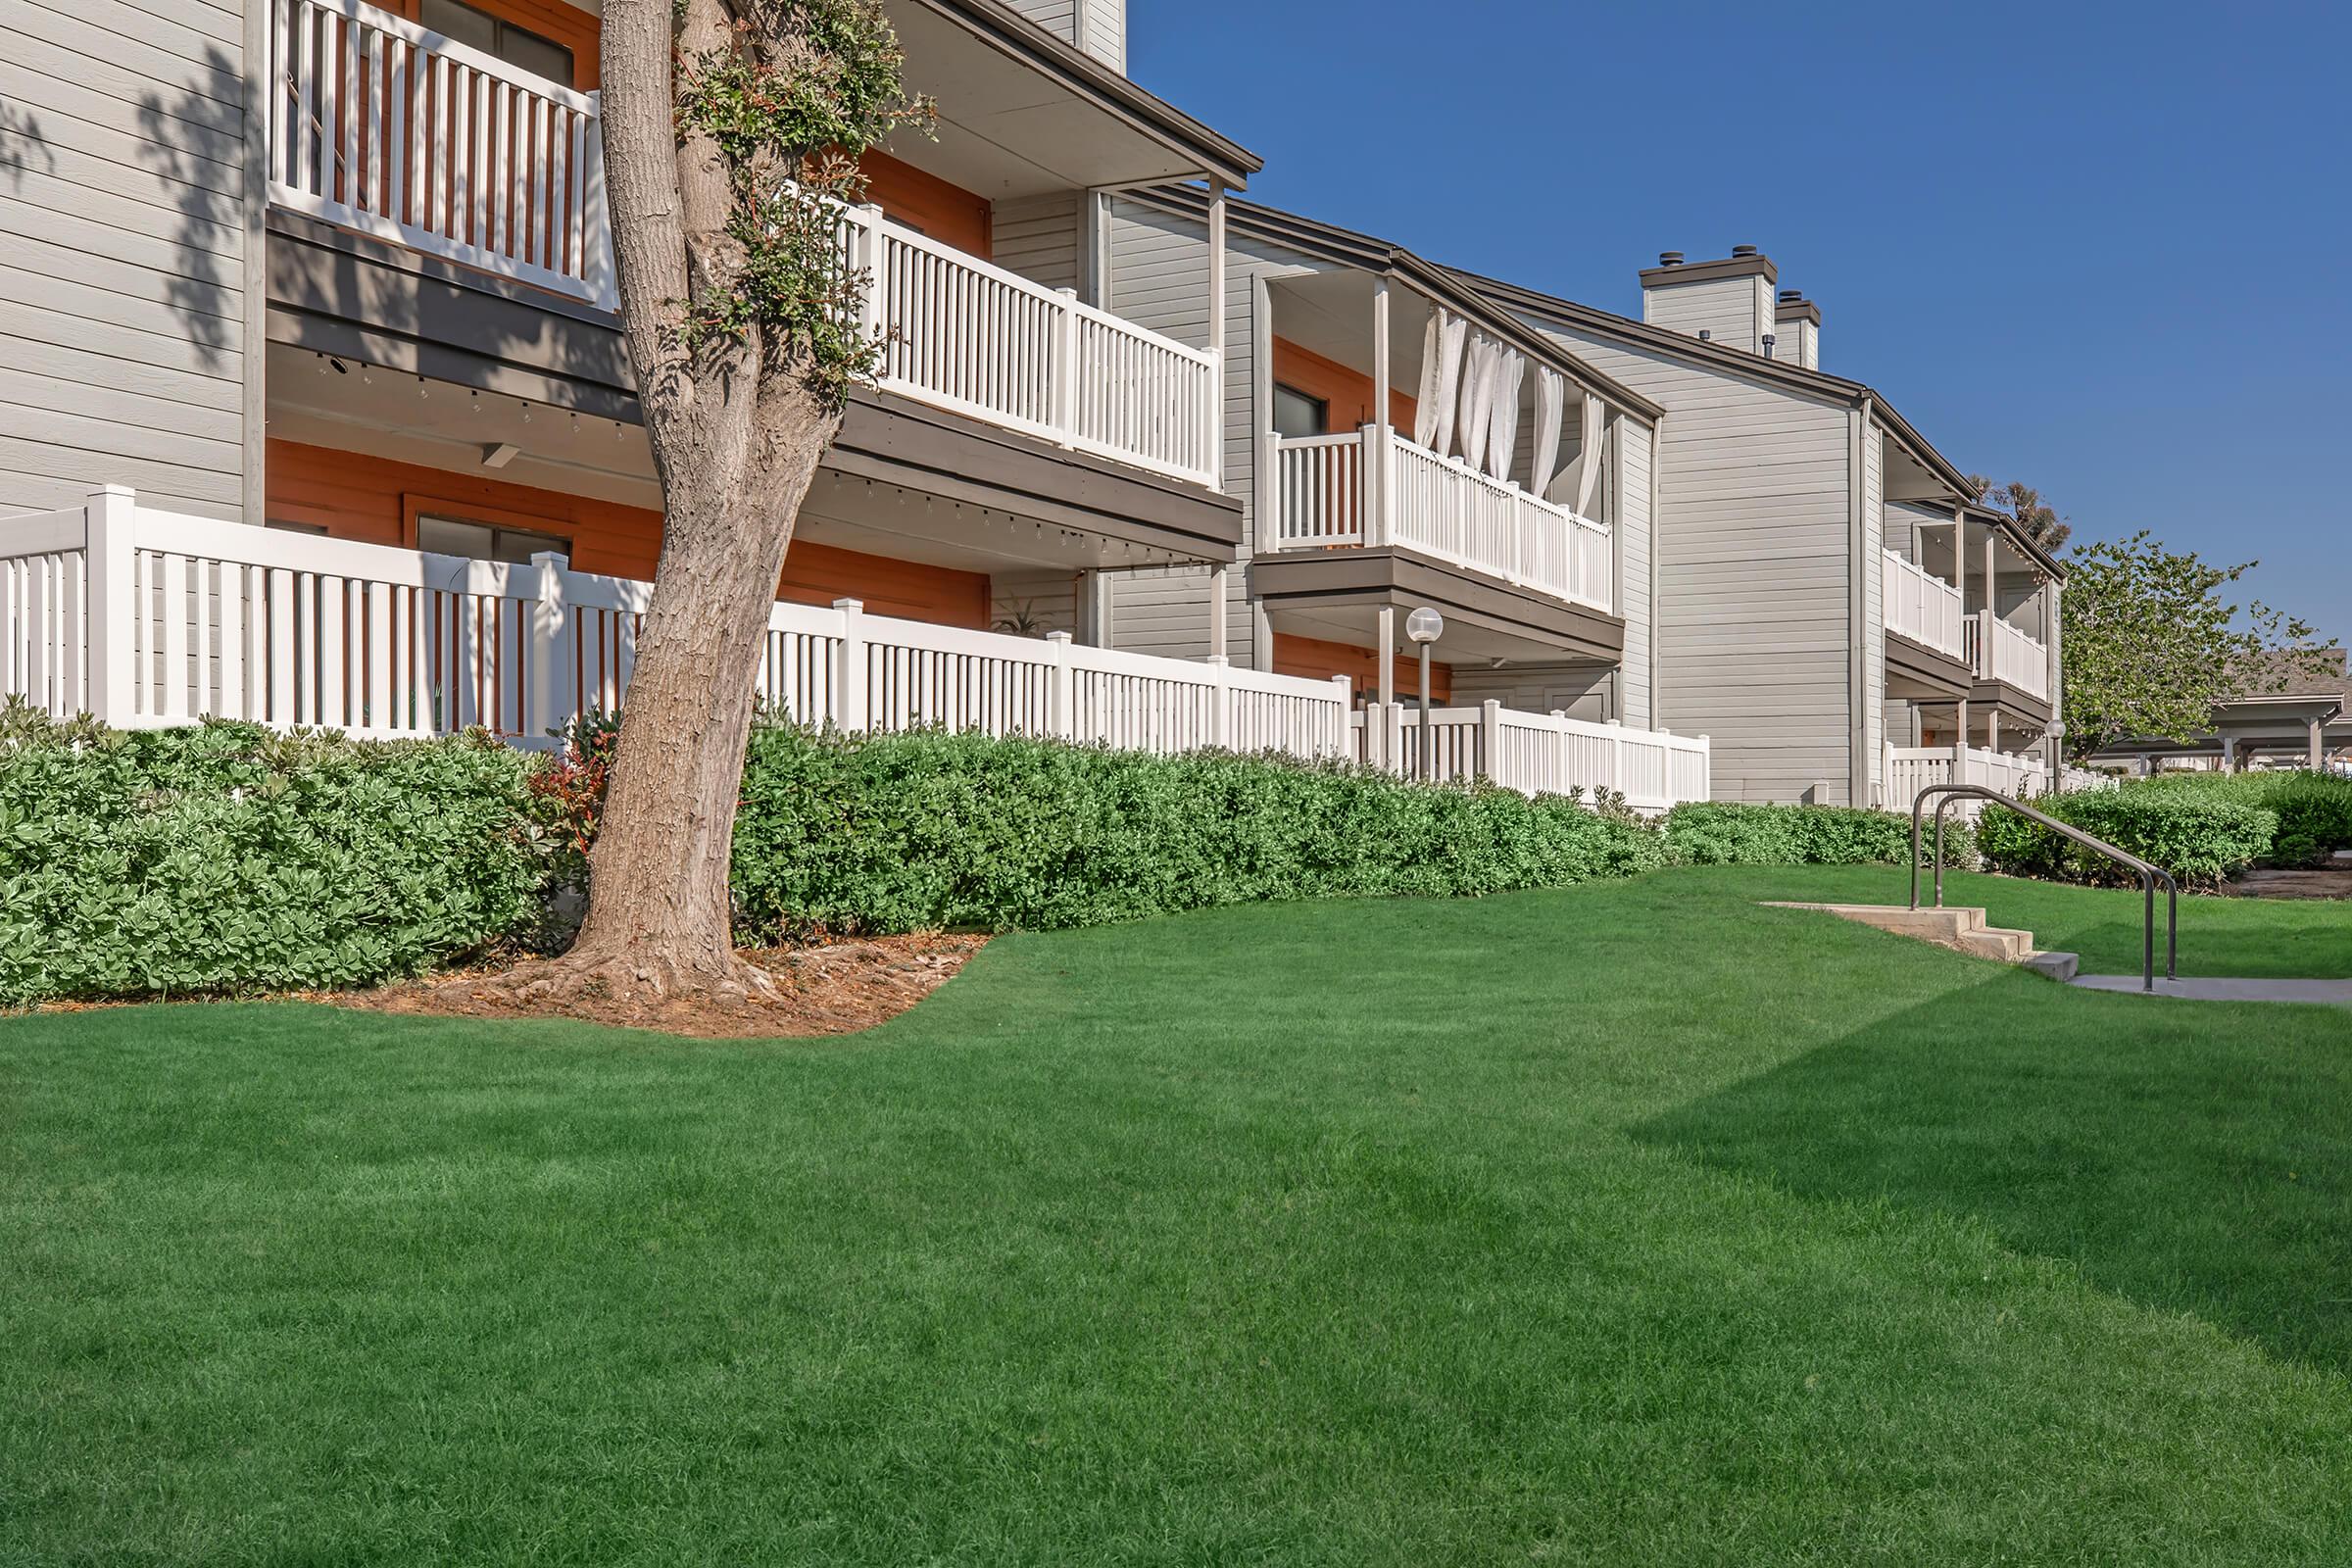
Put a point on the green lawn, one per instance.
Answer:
(1629, 1224)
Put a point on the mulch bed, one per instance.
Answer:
(833, 988)
(2330, 882)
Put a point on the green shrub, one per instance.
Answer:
(2314, 809)
(1722, 834)
(2201, 841)
(898, 832)
(223, 858)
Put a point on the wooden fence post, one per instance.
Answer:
(1061, 690)
(1220, 701)
(109, 518)
(849, 712)
(554, 685)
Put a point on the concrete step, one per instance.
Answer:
(2059, 966)
(1998, 942)
(1960, 927)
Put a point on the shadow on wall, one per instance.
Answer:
(2180, 1172)
(22, 146)
(195, 142)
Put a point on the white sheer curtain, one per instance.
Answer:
(1425, 409)
(1588, 479)
(1478, 398)
(1552, 389)
(1502, 434)
(1441, 379)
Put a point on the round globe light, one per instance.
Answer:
(1425, 626)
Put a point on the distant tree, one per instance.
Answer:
(2151, 645)
(2022, 501)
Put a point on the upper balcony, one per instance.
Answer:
(1418, 449)
(1969, 610)
(385, 128)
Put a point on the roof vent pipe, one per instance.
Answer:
(1706, 334)
(1769, 340)
(1670, 257)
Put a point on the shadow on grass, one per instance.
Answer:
(2189, 1157)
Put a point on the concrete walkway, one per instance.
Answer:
(2218, 990)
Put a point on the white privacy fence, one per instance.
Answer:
(1921, 605)
(1998, 651)
(1359, 489)
(384, 127)
(1536, 754)
(146, 618)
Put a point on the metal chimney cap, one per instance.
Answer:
(1740, 253)
(1670, 257)
(1793, 296)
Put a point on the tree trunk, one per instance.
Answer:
(736, 434)
(658, 912)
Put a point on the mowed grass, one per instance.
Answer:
(1624, 1224)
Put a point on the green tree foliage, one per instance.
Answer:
(2038, 518)
(2151, 645)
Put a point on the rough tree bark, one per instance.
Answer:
(737, 429)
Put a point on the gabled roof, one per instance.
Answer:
(1442, 283)
(1781, 372)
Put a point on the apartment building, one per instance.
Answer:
(1831, 605)
(1399, 442)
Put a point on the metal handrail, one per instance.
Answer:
(2148, 873)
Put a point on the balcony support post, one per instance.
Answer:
(1216, 329)
(1386, 674)
(1217, 588)
(1379, 524)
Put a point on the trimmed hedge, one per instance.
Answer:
(2200, 840)
(1722, 834)
(902, 832)
(223, 858)
(2314, 809)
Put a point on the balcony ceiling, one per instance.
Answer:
(1008, 128)
(1331, 314)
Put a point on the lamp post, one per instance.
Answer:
(1425, 626)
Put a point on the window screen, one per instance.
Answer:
(495, 35)
(483, 541)
(1297, 415)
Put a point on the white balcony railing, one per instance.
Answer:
(1331, 491)
(1921, 605)
(1537, 753)
(381, 125)
(149, 618)
(1998, 651)
(981, 341)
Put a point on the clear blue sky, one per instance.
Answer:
(2103, 249)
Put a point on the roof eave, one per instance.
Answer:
(1372, 254)
(1219, 157)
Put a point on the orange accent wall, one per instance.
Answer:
(375, 500)
(1319, 659)
(1348, 392)
(946, 213)
(575, 29)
